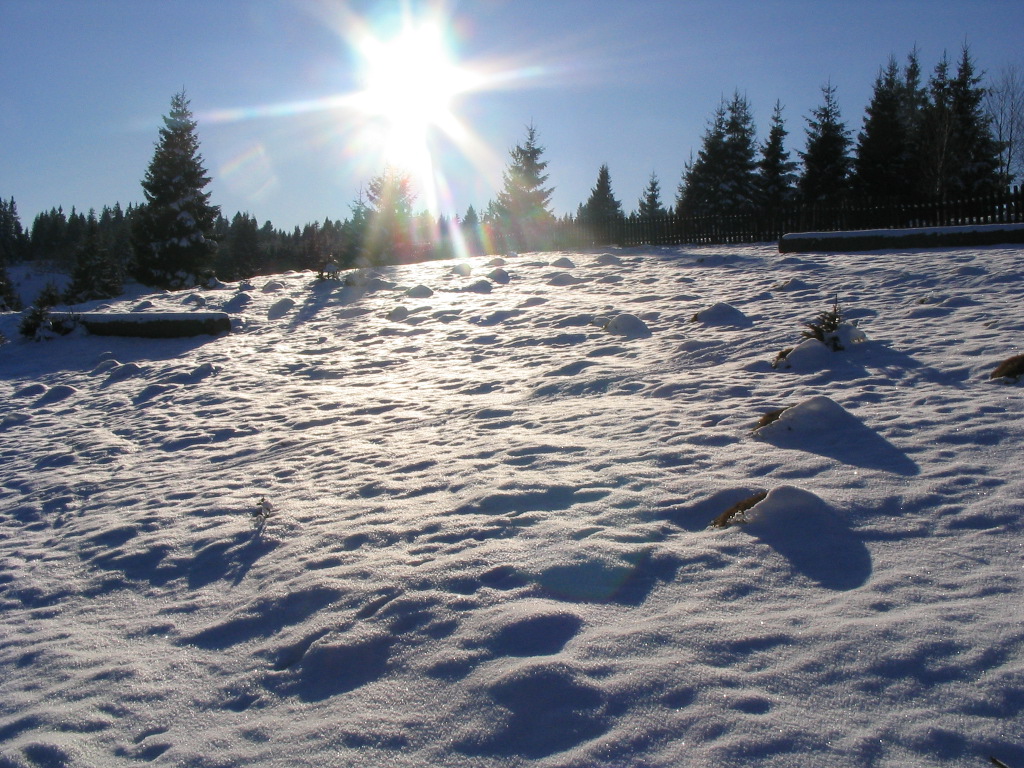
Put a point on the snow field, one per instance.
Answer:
(489, 544)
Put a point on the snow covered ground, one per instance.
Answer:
(488, 542)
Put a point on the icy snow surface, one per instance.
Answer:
(473, 531)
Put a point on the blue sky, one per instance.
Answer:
(628, 84)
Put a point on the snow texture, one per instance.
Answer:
(473, 532)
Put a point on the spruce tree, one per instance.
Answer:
(523, 205)
(650, 206)
(881, 168)
(174, 230)
(776, 173)
(826, 158)
(698, 192)
(740, 178)
(722, 179)
(96, 274)
(601, 206)
(975, 151)
(239, 253)
(390, 197)
(13, 240)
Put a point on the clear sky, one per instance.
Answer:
(298, 104)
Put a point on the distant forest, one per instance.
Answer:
(950, 134)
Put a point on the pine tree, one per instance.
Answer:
(13, 246)
(650, 206)
(523, 209)
(722, 179)
(96, 273)
(239, 253)
(776, 173)
(389, 236)
(958, 152)
(602, 206)
(881, 168)
(471, 231)
(740, 186)
(826, 157)
(173, 231)
(9, 301)
(13, 240)
(975, 151)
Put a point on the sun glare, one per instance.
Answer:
(403, 110)
(410, 84)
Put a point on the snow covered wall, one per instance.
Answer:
(882, 239)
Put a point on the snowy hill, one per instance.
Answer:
(486, 538)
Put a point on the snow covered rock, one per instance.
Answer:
(722, 314)
(628, 325)
(419, 292)
(398, 314)
(499, 276)
(563, 278)
(808, 355)
(818, 415)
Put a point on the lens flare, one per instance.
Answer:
(402, 110)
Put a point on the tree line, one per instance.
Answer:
(920, 140)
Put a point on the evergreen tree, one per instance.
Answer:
(49, 235)
(389, 237)
(96, 274)
(722, 180)
(9, 301)
(13, 240)
(522, 209)
(650, 206)
(975, 150)
(776, 173)
(173, 231)
(13, 246)
(826, 157)
(602, 206)
(471, 231)
(239, 253)
(958, 153)
(882, 165)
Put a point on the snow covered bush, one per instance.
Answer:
(826, 327)
(828, 332)
(39, 324)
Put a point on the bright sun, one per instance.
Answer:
(410, 84)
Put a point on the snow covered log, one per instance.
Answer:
(155, 325)
(883, 239)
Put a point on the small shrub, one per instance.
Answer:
(48, 297)
(37, 323)
(825, 328)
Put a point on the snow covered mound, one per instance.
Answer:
(388, 521)
(722, 313)
(818, 415)
(628, 325)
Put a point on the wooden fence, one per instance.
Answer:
(769, 226)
